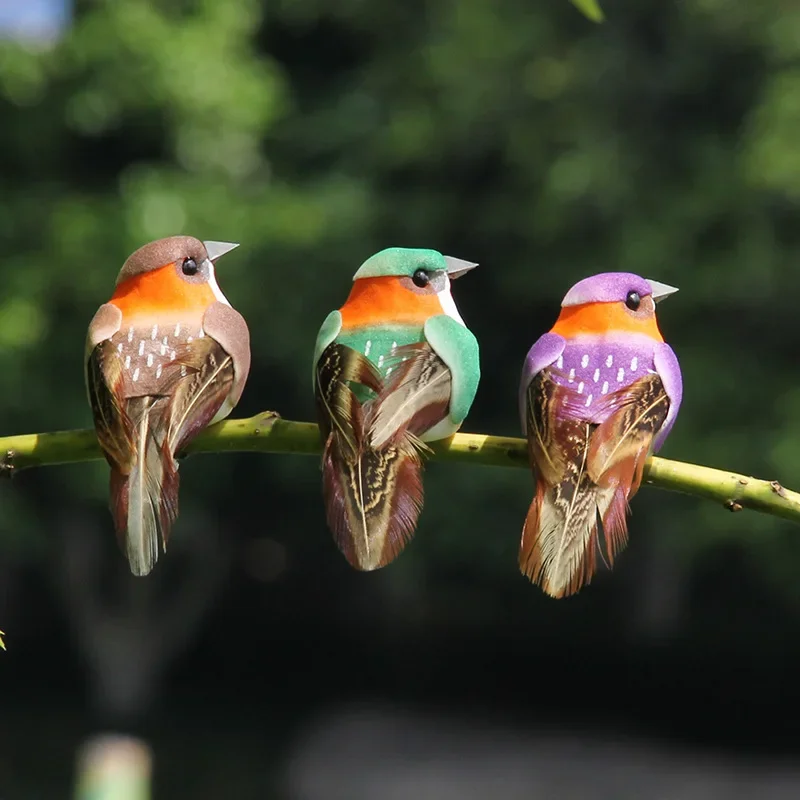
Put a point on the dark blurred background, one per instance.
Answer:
(254, 663)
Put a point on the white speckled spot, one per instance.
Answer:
(189, 339)
(130, 334)
(183, 370)
(380, 361)
(149, 359)
(572, 375)
(634, 364)
(136, 374)
(609, 360)
(119, 347)
(158, 371)
(164, 340)
(141, 347)
(588, 401)
(201, 334)
(177, 330)
(596, 376)
(605, 387)
(172, 356)
(388, 372)
(560, 362)
(580, 388)
(367, 347)
(620, 375)
(154, 332)
(163, 349)
(127, 362)
(585, 360)
(394, 346)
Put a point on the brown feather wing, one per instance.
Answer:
(205, 379)
(105, 379)
(544, 398)
(339, 370)
(415, 394)
(619, 450)
(628, 433)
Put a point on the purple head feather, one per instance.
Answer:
(613, 287)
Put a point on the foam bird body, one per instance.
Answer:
(165, 357)
(394, 367)
(599, 393)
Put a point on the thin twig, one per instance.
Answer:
(268, 433)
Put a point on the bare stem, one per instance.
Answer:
(268, 433)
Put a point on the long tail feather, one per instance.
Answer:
(144, 502)
(373, 503)
(559, 539)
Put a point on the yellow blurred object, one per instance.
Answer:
(2, 643)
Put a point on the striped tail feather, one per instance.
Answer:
(558, 549)
(372, 502)
(144, 501)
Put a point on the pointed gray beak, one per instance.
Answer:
(660, 290)
(456, 267)
(217, 249)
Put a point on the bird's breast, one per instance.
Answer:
(148, 350)
(596, 366)
(379, 343)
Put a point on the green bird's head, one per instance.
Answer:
(408, 282)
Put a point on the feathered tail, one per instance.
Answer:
(144, 500)
(373, 459)
(558, 550)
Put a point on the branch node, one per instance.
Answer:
(7, 467)
(777, 488)
(732, 505)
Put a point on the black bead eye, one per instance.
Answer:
(421, 278)
(633, 300)
(189, 266)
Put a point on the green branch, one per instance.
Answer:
(268, 433)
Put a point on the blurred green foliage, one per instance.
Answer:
(515, 134)
(591, 8)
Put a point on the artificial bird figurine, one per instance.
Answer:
(166, 356)
(599, 393)
(394, 367)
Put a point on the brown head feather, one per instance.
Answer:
(160, 253)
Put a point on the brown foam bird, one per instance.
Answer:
(166, 356)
